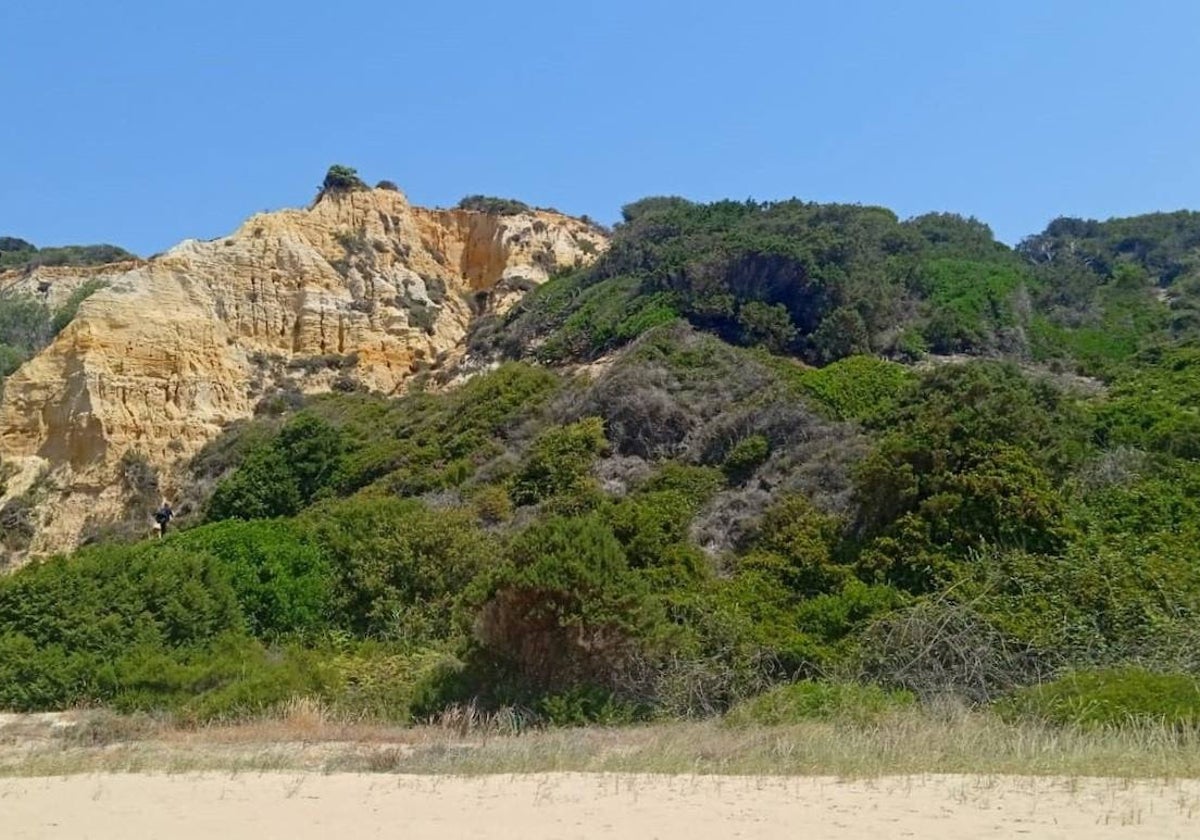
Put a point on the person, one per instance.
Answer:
(163, 516)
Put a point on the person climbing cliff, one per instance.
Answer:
(163, 517)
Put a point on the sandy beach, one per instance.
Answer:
(568, 805)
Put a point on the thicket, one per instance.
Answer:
(819, 281)
(708, 522)
(1107, 291)
(626, 547)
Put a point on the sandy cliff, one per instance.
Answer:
(362, 285)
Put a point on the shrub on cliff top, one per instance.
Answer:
(493, 205)
(342, 179)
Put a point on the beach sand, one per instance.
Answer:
(560, 806)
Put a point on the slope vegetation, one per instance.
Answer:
(750, 445)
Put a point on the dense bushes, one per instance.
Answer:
(701, 518)
(564, 609)
(1111, 698)
(858, 387)
(970, 458)
(66, 624)
(398, 567)
(1157, 405)
(829, 281)
(672, 537)
(820, 281)
(283, 582)
(557, 469)
(226, 619)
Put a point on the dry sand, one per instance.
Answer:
(563, 806)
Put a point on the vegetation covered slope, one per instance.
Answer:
(19, 254)
(774, 473)
(823, 282)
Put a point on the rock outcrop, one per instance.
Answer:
(361, 289)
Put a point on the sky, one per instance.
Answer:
(144, 123)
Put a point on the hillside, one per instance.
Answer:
(739, 445)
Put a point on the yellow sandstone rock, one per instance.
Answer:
(362, 284)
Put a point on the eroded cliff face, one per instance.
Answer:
(362, 288)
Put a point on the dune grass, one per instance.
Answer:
(302, 738)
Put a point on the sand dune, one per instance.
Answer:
(563, 806)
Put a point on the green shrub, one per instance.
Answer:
(585, 705)
(232, 677)
(263, 487)
(733, 637)
(104, 598)
(411, 440)
(11, 358)
(298, 466)
(968, 300)
(823, 280)
(563, 609)
(769, 326)
(494, 206)
(970, 458)
(695, 483)
(1156, 405)
(1125, 588)
(834, 617)
(842, 332)
(803, 701)
(1110, 698)
(12, 248)
(66, 624)
(795, 543)
(377, 681)
(25, 324)
(745, 457)
(17, 523)
(283, 584)
(38, 678)
(558, 466)
(858, 387)
(588, 319)
(492, 504)
(400, 567)
(341, 179)
(70, 308)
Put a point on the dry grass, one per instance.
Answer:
(303, 738)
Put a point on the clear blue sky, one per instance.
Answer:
(142, 123)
